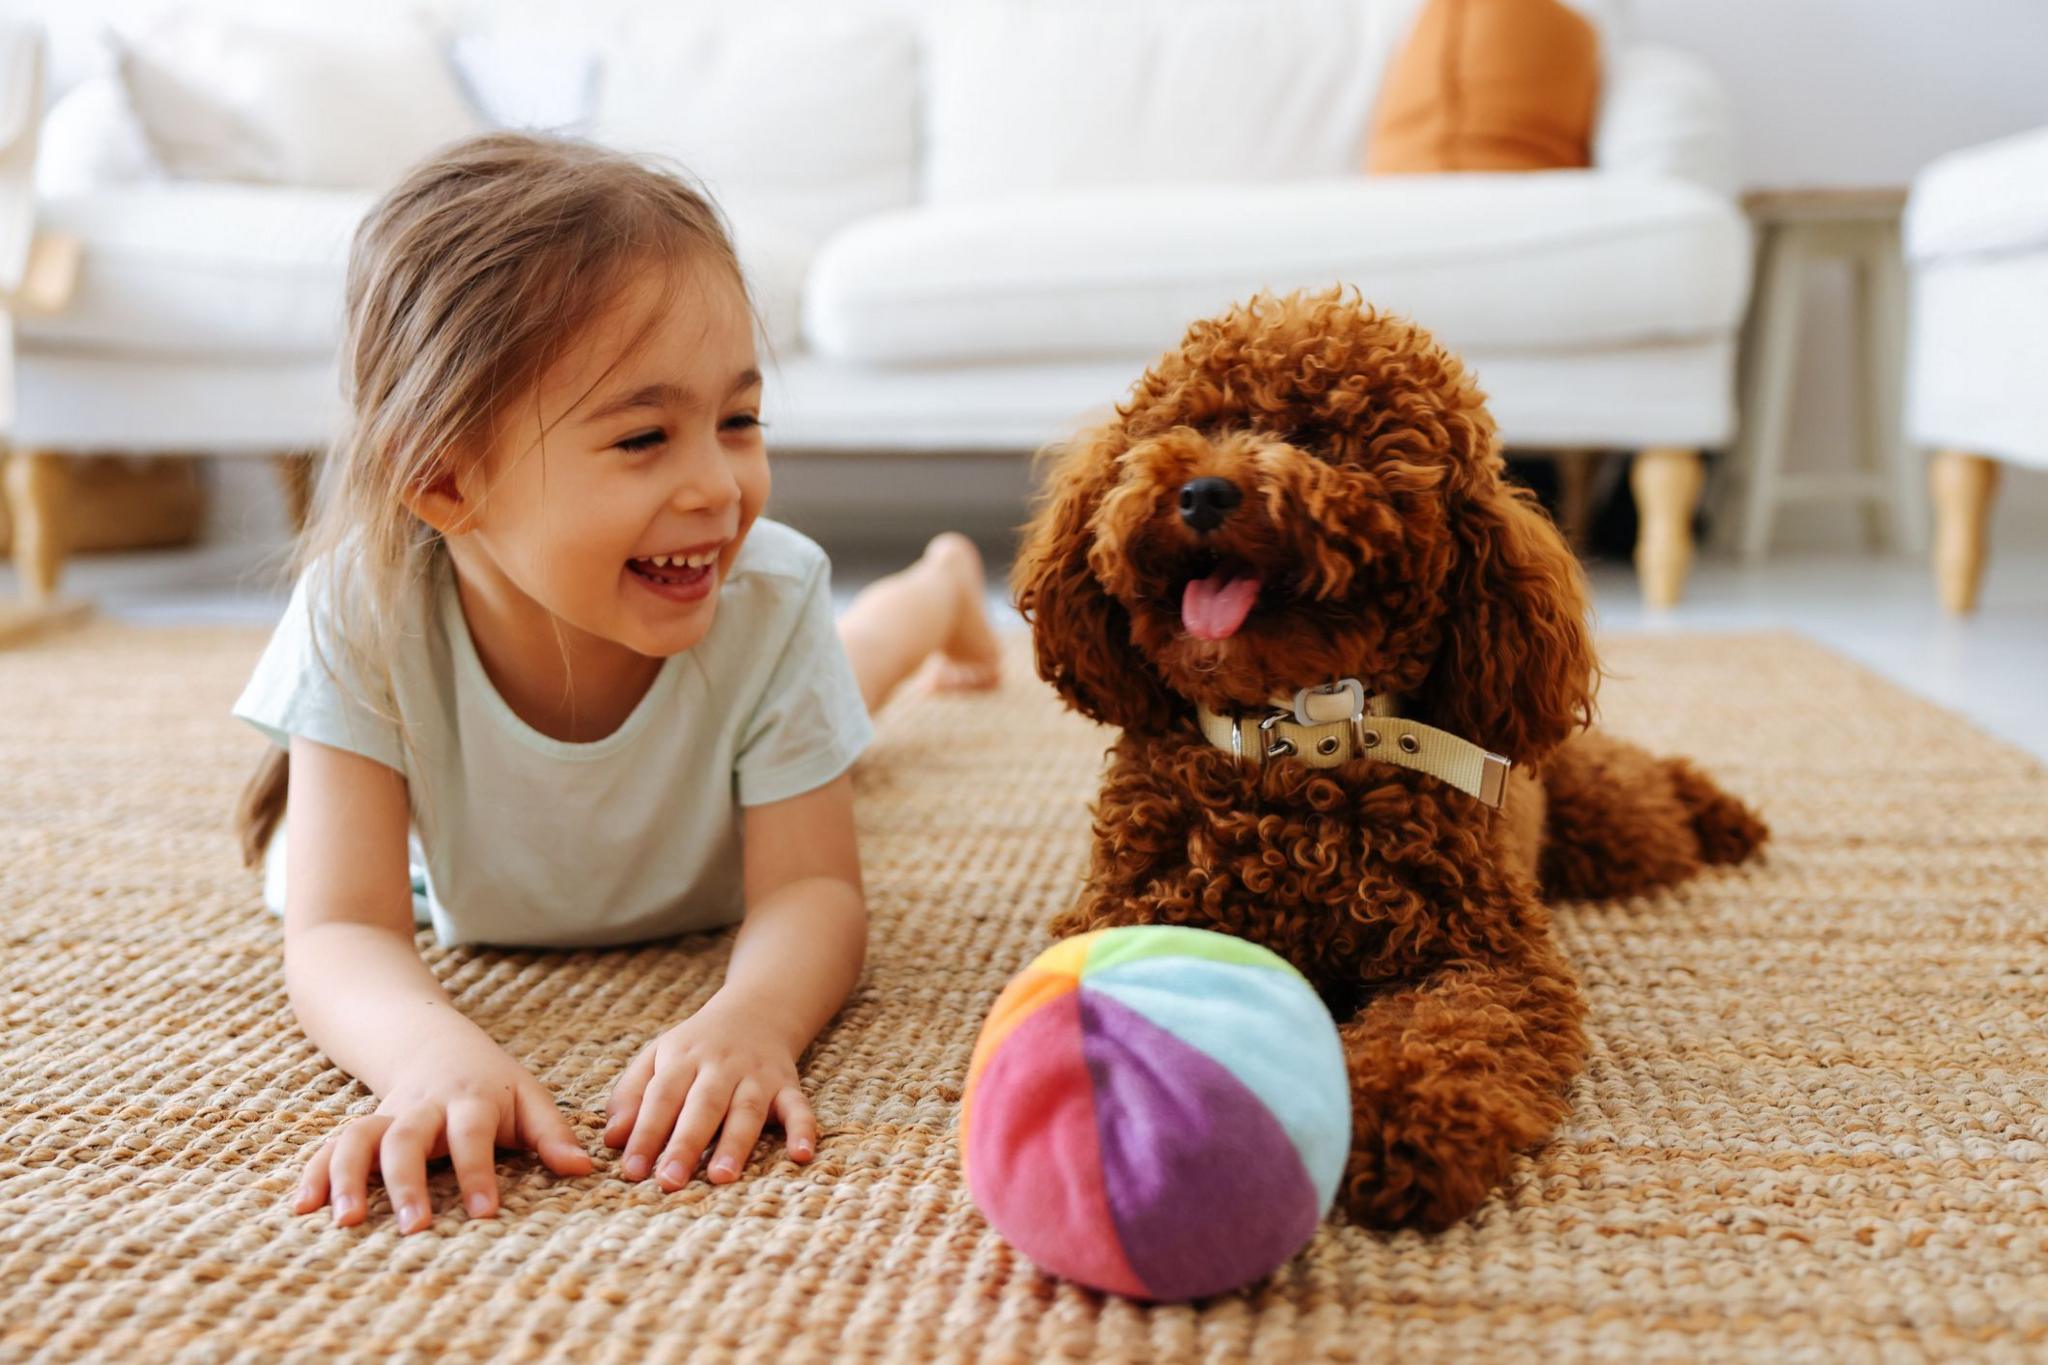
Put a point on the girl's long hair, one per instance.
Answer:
(465, 283)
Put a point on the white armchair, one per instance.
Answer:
(1977, 243)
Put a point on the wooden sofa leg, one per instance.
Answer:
(1575, 470)
(295, 472)
(38, 484)
(1666, 483)
(1963, 485)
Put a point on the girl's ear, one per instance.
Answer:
(440, 504)
(1516, 670)
(1080, 634)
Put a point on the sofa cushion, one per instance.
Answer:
(204, 269)
(224, 98)
(1489, 85)
(1510, 261)
(199, 270)
(1025, 96)
(808, 119)
(91, 137)
(1988, 198)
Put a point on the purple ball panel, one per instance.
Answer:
(1206, 1190)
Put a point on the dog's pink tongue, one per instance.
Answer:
(1213, 608)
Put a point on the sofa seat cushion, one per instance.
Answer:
(195, 271)
(1503, 262)
(1990, 198)
(204, 269)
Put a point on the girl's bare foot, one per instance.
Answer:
(970, 659)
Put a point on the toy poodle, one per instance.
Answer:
(1353, 672)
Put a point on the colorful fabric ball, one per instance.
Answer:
(1156, 1111)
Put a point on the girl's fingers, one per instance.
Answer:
(743, 1120)
(710, 1097)
(402, 1155)
(542, 1128)
(656, 1118)
(348, 1169)
(624, 1104)
(799, 1124)
(312, 1191)
(472, 1151)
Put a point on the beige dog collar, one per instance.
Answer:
(1337, 722)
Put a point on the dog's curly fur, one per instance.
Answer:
(1391, 549)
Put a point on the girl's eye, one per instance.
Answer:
(745, 421)
(646, 440)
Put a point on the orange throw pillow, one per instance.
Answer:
(1489, 85)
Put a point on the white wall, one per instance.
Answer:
(1864, 92)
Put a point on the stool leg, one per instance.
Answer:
(37, 485)
(1666, 484)
(1767, 385)
(1882, 326)
(1963, 485)
(1866, 423)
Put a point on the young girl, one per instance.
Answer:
(548, 679)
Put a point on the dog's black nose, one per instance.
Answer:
(1204, 503)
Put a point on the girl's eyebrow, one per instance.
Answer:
(663, 395)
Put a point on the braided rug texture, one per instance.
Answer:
(1814, 1125)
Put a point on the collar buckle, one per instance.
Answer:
(1271, 745)
(1312, 704)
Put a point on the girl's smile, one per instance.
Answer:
(688, 575)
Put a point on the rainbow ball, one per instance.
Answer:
(1156, 1111)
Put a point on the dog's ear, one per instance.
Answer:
(1515, 671)
(1080, 635)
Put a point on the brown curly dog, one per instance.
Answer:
(1308, 491)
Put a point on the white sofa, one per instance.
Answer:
(972, 224)
(1976, 235)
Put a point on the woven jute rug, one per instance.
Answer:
(1815, 1124)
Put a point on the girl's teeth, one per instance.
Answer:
(682, 561)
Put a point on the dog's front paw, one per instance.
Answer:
(1395, 1183)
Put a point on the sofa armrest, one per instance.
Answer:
(21, 115)
(1665, 112)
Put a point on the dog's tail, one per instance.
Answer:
(1621, 821)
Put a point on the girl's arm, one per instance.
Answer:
(365, 999)
(798, 954)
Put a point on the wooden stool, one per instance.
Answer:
(1796, 228)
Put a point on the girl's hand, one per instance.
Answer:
(462, 1102)
(720, 1067)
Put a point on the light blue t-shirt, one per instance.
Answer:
(519, 838)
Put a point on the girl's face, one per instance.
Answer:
(625, 520)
